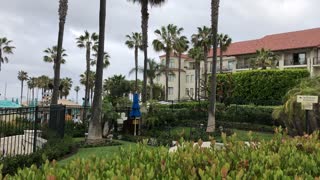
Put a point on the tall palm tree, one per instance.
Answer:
(144, 26)
(197, 55)
(167, 38)
(213, 82)
(63, 9)
(135, 42)
(87, 41)
(32, 83)
(106, 57)
(43, 82)
(5, 48)
(91, 79)
(22, 76)
(66, 84)
(95, 129)
(203, 39)
(51, 55)
(180, 47)
(224, 41)
(77, 89)
(264, 58)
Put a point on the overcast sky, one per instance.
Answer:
(33, 26)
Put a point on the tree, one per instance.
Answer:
(91, 79)
(77, 89)
(135, 42)
(66, 84)
(43, 83)
(196, 54)
(203, 39)
(87, 41)
(264, 59)
(32, 83)
(51, 55)
(144, 26)
(5, 48)
(167, 37)
(63, 9)
(180, 47)
(95, 129)
(153, 70)
(224, 42)
(116, 87)
(213, 82)
(106, 57)
(22, 76)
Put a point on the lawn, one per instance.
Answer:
(107, 151)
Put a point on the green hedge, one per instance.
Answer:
(282, 157)
(264, 87)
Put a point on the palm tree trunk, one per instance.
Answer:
(144, 27)
(205, 51)
(21, 92)
(87, 75)
(0, 57)
(179, 77)
(199, 81)
(136, 66)
(151, 89)
(166, 73)
(212, 109)
(196, 81)
(28, 90)
(77, 97)
(221, 57)
(95, 129)
(63, 8)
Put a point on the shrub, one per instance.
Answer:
(281, 158)
(261, 87)
(75, 129)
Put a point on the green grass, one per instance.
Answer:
(85, 153)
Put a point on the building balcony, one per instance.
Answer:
(295, 62)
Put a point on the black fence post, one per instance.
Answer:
(57, 120)
(35, 129)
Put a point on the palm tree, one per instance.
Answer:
(106, 57)
(32, 83)
(22, 76)
(135, 42)
(5, 48)
(51, 55)
(144, 26)
(264, 59)
(167, 38)
(77, 89)
(87, 41)
(91, 79)
(214, 26)
(43, 82)
(196, 54)
(63, 9)
(95, 129)
(180, 47)
(203, 39)
(66, 84)
(224, 42)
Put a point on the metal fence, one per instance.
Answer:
(23, 130)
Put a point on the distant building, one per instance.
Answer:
(299, 49)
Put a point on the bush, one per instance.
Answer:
(281, 158)
(75, 129)
(54, 149)
(261, 87)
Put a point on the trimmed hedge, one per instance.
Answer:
(262, 87)
(281, 158)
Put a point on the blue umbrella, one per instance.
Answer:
(135, 112)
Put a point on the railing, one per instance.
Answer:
(316, 61)
(292, 62)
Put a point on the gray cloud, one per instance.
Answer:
(33, 25)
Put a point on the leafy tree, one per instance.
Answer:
(204, 39)
(5, 48)
(144, 26)
(213, 82)
(224, 41)
(63, 9)
(95, 129)
(180, 47)
(116, 87)
(196, 54)
(264, 58)
(167, 39)
(77, 89)
(51, 55)
(66, 84)
(135, 42)
(22, 76)
(87, 41)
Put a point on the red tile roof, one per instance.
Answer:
(184, 56)
(276, 42)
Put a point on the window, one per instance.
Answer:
(192, 65)
(187, 92)
(187, 79)
(230, 65)
(170, 90)
(171, 64)
(299, 59)
(171, 77)
(191, 78)
(191, 91)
